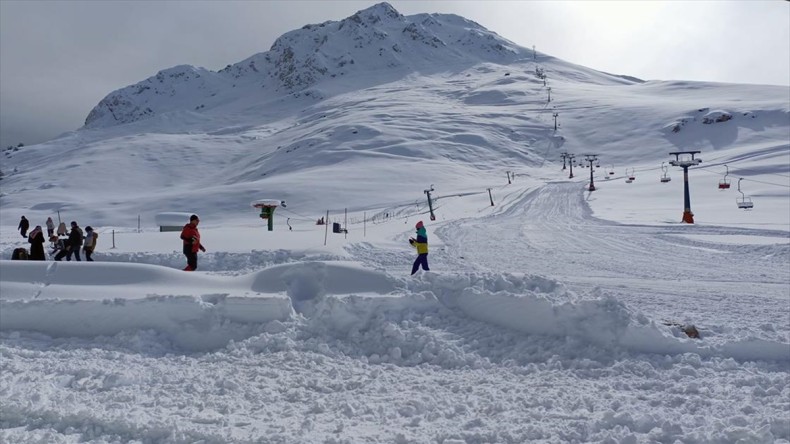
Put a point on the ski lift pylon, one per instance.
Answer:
(743, 202)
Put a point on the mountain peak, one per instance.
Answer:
(378, 12)
(377, 39)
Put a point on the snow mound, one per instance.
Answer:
(202, 312)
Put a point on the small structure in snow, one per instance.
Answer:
(172, 221)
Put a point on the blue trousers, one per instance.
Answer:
(422, 260)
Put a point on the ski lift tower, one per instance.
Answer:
(685, 162)
(430, 202)
(571, 160)
(592, 158)
(267, 207)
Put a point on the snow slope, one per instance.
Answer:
(551, 314)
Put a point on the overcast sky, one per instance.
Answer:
(58, 59)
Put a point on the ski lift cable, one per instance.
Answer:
(733, 172)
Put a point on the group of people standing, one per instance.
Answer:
(64, 243)
(190, 235)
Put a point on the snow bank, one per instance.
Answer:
(201, 312)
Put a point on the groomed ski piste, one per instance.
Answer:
(555, 315)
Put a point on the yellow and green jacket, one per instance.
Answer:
(421, 243)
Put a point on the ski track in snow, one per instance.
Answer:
(441, 373)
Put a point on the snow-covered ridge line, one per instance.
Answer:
(378, 38)
(52, 298)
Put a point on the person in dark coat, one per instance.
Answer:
(59, 248)
(75, 242)
(24, 224)
(36, 240)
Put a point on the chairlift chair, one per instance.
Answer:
(632, 176)
(611, 170)
(665, 178)
(724, 184)
(743, 202)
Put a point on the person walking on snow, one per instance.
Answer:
(37, 240)
(421, 244)
(75, 241)
(62, 229)
(191, 237)
(90, 242)
(24, 224)
(50, 227)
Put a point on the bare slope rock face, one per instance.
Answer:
(378, 40)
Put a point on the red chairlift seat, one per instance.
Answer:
(724, 184)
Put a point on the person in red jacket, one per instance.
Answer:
(191, 237)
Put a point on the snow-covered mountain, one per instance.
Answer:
(375, 40)
(434, 94)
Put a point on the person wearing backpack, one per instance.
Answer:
(90, 242)
(191, 237)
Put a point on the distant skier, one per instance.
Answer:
(421, 244)
(24, 224)
(191, 237)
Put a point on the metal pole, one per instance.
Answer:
(59, 217)
(138, 224)
(688, 216)
(570, 165)
(113, 240)
(490, 198)
(326, 226)
(345, 224)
